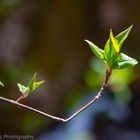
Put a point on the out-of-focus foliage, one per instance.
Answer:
(7, 6)
(120, 81)
(94, 76)
(1, 83)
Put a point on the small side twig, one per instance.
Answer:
(108, 73)
(20, 98)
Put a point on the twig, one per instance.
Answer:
(108, 73)
(32, 109)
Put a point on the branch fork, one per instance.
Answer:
(113, 59)
(108, 73)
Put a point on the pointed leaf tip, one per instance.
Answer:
(121, 37)
(114, 42)
(96, 50)
(37, 84)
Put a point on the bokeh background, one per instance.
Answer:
(47, 37)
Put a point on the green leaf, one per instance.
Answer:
(21, 87)
(121, 37)
(33, 84)
(1, 84)
(111, 53)
(108, 50)
(114, 42)
(37, 84)
(111, 49)
(97, 51)
(24, 90)
(124, 61)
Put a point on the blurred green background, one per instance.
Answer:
(47, 37)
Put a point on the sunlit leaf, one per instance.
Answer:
(111, 49)
(21, 87)
(37, 84)
(24, 90)
(111, 53)
(33, 84)
(121, 37)
(114, 42)
(97, 51)
(124, 61)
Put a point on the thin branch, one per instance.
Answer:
(108, 73)
(32, 109)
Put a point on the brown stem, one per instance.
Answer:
(108, 73)
(20, 98)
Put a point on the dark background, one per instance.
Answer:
(47, 37)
